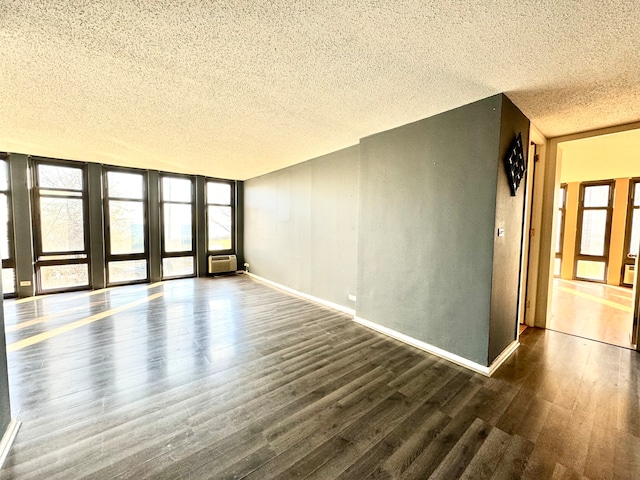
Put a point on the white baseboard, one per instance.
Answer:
(306, 296)
(7, 439)
(452, 357)
(500, 359)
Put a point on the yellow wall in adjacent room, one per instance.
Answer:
(601, 158)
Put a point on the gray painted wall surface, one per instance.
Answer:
(301, 226)
(22, 234)
(96, 226)
(240, 224)
(507, 249)
(153, 220)
(5, 406)
(426, 226)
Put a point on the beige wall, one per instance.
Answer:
(616, 245)
(602, 157)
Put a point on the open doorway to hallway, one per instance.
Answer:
(597, 237)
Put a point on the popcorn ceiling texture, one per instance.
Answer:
(235, 89)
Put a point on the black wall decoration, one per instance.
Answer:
(515, 165)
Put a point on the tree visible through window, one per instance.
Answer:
(62, 238)
(126, 226)
(178, 246)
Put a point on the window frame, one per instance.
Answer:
(185, 253)
(10, 261)
(563, 209)
(37, 224)
(108, 256)
(604, 258)
(231, 204)
(627, 233)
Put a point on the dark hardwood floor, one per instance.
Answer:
(229, 378)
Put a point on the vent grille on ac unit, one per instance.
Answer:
(222, 263)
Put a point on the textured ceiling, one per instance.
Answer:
(235, 89)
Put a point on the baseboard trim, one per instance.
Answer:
(504, 355)
(306, 296)
(7, 439)
(452, 357)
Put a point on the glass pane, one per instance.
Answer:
(125, 185)
(590, 270)
(636, 195)
(596, 196)
(176, 189)
(557, 266)
(563, 192)
(127, 271)
(62, 224)
(8, 280)
(177, 228)
(64, 276)
(219, 193)
(4, 225)
(177, 266)
(594, 226)
(219, 228)
(4, 175)
(635, 231)
(126, 222)
(559, 231)
(53, 176)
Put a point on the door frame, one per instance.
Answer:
(530, 279)
(548, 224)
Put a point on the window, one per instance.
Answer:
(178, 235)
(220, 217)
(60, 226)
(126, 230)
(560, 218)
(594, 231)
(8, 255)
(632, 229)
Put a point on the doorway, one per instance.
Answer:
(596, 235)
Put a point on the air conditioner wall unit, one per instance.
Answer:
(629, 274)
(222, 263)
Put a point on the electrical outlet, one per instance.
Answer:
(352, 298)
(25, 283)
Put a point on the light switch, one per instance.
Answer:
(501, 232)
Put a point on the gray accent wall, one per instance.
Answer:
(96, 226)
(5, 406)
(22, 229)
(427, 214)
(300, 226)
(507, 250)
(423, 253)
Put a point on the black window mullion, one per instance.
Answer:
(163, 241)
(604, 258)
(231, 206)
(39, 253)
(122, 257)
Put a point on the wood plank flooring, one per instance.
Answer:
(592, 310)
(230, 378)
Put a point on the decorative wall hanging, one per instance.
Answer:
(515, 165)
